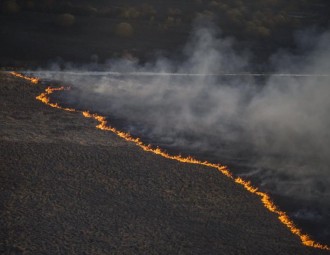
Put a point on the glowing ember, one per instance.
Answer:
(103, 125)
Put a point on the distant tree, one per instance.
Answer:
(280, 19)
(263, 31)
(151, 20)
(271, 3)
(239, 4)
(107, 12)
(206, 14)
(47, 5)
(130, 13)
(198, 2)
(174, 12)
(124, 30)
(147, 10)
(170, 21)
(235, 16)
(257, 29)
(30, 4)
(10, 7)
(65, 20)
(214, 4)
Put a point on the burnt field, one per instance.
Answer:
(71, 189)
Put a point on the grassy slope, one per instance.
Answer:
(68, 188)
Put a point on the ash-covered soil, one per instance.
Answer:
(68, 188)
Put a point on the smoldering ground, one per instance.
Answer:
(273, 129)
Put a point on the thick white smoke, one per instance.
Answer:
(276, 127)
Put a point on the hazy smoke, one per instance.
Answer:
(275, 128)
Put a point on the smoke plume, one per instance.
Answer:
(273, 128)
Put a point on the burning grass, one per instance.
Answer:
(33, 80)
(103, 125)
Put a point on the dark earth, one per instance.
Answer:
(68, 188)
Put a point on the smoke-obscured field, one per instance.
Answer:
(271, 129)
(68, 188)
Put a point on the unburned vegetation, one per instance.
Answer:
(76, 30)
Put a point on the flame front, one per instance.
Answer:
(33, 80)
(103, 125)
(44, 97)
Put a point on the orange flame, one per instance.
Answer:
(44, 97)
(33, 80)
(264, 197)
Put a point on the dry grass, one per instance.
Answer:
(67, 188)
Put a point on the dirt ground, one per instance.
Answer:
(68, 188)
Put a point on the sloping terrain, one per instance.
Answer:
(68, 188)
